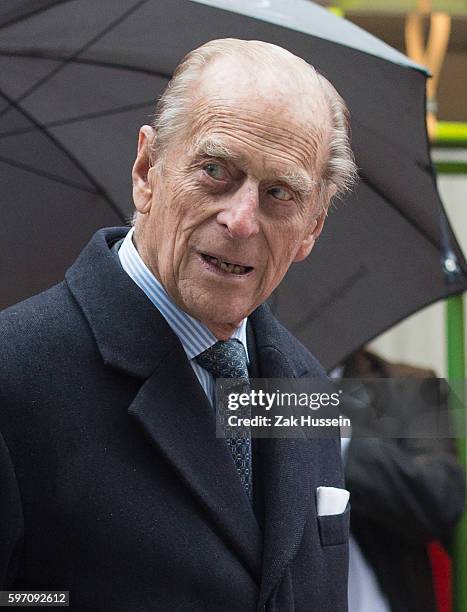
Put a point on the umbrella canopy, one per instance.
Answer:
(77, 79)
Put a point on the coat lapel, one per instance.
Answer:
(286, 464)
(180, 422)
(171, 406)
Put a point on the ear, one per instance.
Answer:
(312, 236)
(142, 189)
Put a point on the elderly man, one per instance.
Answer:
(114, 484)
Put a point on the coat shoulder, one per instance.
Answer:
(306, 363)
(36, 332)
(300, 359)
(36, 319)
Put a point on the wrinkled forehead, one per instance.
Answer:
(262, 108)
(280, 86)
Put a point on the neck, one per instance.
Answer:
(222, 331)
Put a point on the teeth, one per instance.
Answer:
(232, 268)
(223, 265)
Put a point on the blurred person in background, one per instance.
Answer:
(405, 492)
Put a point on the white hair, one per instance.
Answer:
(172, 113)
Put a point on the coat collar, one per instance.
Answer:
(130, 333)
(134, 338)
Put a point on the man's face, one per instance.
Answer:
(234, 203)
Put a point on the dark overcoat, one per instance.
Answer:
(113, 484)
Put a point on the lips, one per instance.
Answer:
(226, 266)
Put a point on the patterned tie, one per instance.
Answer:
(227, 359)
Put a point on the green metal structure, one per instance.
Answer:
(451, 134)
(456, 375)
(455, 7)
(454, 135)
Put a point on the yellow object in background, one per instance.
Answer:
(431, 53)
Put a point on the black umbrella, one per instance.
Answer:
(78, 77)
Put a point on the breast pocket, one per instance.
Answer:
(334, 528)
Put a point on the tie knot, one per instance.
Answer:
(225, 359)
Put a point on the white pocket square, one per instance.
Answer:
(331, 500)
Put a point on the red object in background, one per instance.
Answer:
(441, 568)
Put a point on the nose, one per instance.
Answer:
(239, 215)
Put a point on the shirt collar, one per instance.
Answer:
(194, 335)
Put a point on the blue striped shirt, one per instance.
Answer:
(194, 335)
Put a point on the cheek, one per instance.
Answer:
(184, 211)
(179, 207)
(282, 243)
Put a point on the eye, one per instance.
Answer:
(280, 193)
(216, 171)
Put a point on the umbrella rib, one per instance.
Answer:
(31, 13)
(91, 62)
(78, 118)
(99, 189)
(301, 324)
(391, 203)
(93, 40)
(449, 291)
(49, 175)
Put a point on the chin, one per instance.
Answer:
(218, 314)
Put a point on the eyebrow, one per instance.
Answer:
(296, 180)
(214, 147)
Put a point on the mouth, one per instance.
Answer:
(225, 267)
